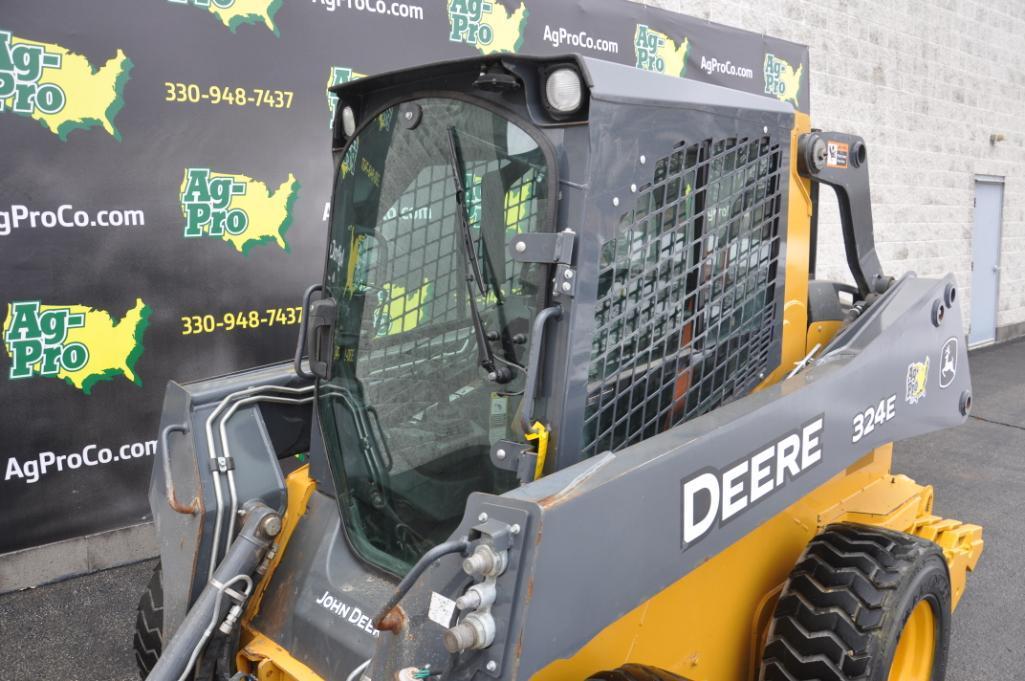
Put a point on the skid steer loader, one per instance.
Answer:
(569, 403)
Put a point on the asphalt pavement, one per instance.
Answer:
(81, 629)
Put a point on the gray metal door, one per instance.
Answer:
(989, 201)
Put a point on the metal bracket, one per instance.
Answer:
(222, 464)
(543, 247)
(502, 528)
(552, 249)
(514, 456)
(840, 160)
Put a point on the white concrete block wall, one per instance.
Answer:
(926, 83)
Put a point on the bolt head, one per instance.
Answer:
(633, 187)
(643, 159)
(500, 455)
(567, 274)
(491, 665)
(409, 115)
(521, 246)
(567, 287)
(483, 517)
(615, 200)
(515, 529)
(271, 525)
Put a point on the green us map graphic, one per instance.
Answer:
(59, 88)
(164, 195)
(75, 343)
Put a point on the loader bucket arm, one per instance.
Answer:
(700, 483)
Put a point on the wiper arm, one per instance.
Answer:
(485, 355)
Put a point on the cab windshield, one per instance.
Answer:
(427, 195)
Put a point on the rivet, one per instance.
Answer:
(633, 188)
(409, 115)
(500, 454)
(483, 517)
(765, 129)
(521, 246)
(615, 200)
(643, 159)
(491, 665)
(515, 529)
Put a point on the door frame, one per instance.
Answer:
(977, 179)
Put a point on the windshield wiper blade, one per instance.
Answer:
(465, 235)
(485, 354)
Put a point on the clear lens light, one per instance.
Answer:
(348, 121)
(564, 90)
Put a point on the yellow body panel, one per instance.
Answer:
(259, 655)
(798, 249)
(267, 661)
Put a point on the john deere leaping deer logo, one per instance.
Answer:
(918, 376)
(948, 362)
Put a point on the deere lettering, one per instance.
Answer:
(655, 51)
(488, 26)
(21, 67)
(206, 203)
(714, 496)
(36, 341)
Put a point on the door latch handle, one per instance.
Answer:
(319, 332)
(300, 346)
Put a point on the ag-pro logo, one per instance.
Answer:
(486, 25)
(235, 13)
(656, 51)
(78, 344)
(781, 80)
(236, 208)
(58, 88)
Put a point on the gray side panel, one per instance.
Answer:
(186, 540)
(320, 600)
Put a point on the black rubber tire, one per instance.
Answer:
(636, 672)
(149, 624)
(843, 608)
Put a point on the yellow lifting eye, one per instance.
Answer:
(540, 433)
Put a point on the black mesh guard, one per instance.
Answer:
(687, 311)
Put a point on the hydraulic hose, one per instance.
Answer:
(261, 525)
(455, 546)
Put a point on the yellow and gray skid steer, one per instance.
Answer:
(569, 403)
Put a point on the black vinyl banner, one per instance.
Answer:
(165, 174)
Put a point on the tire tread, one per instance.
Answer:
(834, 601)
